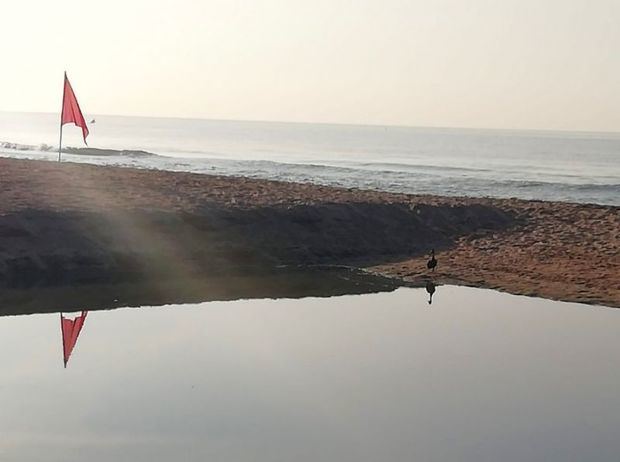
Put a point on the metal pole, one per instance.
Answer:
(62, 331)
(61, 114)
(60, 143)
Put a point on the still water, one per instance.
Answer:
(476, 376)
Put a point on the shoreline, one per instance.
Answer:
(562, 251)
(68, 224)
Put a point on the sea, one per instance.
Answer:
(581, 167)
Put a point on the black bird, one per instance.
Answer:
(432, 263)
(430, 288)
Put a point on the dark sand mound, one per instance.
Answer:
(66, 224)
(59, 248)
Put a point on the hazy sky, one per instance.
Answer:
(471, 63)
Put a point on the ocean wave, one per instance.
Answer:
(529, 184)
(96, 152)
(411, 179)
(25, 147)
(398, 166)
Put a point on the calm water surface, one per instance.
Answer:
(476, 376)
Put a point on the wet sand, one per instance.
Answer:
(74, 223)
(562, 251)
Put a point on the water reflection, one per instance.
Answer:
(286, 282)
(276, 283)
(359, 378)
(70, 328)
(430, 289)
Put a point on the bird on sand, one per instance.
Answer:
(432, 263)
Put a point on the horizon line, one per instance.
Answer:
(345, 124)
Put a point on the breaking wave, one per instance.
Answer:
(413, 178)
(96, 152)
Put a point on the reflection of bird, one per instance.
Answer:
(432, 263)
(430, 288)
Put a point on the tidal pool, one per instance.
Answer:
(476, 376)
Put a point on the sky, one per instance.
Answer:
(524, 64)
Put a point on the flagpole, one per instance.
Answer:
(60, 143)
(63, 341)
(64, 86)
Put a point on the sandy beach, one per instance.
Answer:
(561, 251)
(67, 224)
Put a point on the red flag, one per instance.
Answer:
(71, 112)
(70, 332)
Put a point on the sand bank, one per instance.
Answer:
(69, 224)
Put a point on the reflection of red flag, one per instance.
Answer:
(70, 332)
(71, 112)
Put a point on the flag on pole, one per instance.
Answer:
(70, 332)
(71, 112)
